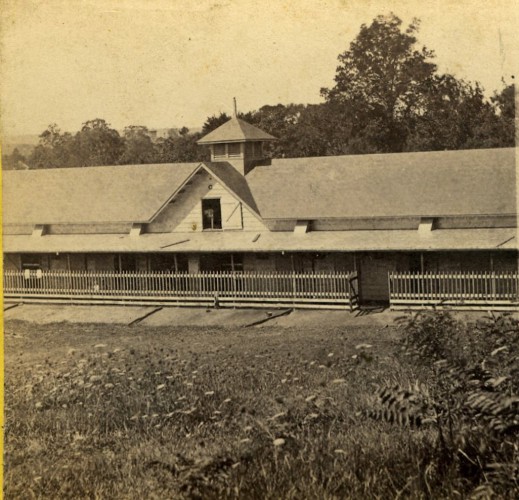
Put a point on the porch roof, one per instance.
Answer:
(318, 241)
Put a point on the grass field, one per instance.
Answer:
(111, 412)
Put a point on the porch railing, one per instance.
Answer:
(330, 290)
(477, 290)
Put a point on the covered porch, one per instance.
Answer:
(273, 258)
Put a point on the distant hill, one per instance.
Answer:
(24, 143)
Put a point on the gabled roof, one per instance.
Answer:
(440, 183)
(236, 182)
(430, 184)
(236, 130)
(129, 193)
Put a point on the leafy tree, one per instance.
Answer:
(280, 121)
(13, 161)
(213, 122)
(504, 102)
(183, 149)
(326, 129)
(383, 79)
(138, 146)
(98, 144)
(451, 117)
(55, 150)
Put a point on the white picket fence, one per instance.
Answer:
(476, 290)
(327, 290)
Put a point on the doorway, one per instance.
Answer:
(373, 279)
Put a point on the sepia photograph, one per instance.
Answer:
(259, 250)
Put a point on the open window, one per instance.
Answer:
(211, 214)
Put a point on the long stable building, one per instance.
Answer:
(377, 217)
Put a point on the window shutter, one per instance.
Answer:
(232, 215)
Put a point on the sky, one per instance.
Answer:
(173, 63)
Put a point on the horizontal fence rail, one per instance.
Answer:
(478, 289)
(218, 288)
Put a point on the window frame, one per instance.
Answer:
(213, 226)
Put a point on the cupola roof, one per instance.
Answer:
(236, 130)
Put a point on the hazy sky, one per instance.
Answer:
(172, 63)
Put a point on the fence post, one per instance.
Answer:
(389, 287)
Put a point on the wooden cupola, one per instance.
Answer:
(238, 143)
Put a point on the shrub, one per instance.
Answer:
(468, 381)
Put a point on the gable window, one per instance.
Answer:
(211, 214)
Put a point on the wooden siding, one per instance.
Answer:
(175, 216)
(185, 215)
(361, 224)
(357, 224)
(475, 221)
(87, 228)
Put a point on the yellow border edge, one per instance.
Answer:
(1, 343)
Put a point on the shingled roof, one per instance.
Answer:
(440, 183)
(431, 184)
(236, 130)
(129, 193)
(232, 179)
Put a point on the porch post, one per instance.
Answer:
(422, 267)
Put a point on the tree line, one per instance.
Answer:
(388, 96)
